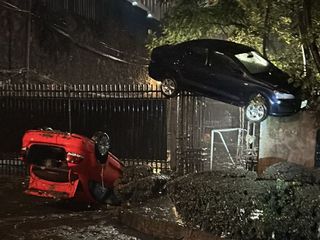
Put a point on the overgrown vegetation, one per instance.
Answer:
(285, 31)
(239, 205)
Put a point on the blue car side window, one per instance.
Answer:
(197, 56)
(218, 62)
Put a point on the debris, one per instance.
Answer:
(139, 184)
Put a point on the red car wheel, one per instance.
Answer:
(102, 146)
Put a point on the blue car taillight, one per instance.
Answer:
(74, 158)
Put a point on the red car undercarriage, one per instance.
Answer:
(64, 165)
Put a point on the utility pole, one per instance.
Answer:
(28, 39)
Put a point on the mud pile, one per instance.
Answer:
(236, 204)
(139, 183)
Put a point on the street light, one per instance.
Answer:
(134, 3)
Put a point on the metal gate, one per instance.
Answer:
(210, 134)
(133, 115)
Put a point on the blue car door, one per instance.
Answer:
(212, 74)
(226, 78)
(196, 73)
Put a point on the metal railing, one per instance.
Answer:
(93, 91)
(10, 164)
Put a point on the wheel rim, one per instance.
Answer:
(104, 145)
(256, 111)
(168, 87)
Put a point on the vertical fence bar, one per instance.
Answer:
(69, 110)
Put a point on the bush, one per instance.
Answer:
(237, 205)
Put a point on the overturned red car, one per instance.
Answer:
(70, 166)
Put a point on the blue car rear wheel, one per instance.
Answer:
(169, 87)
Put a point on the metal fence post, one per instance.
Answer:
(69, 109)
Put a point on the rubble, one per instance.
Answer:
(99, 231)
(139, 184)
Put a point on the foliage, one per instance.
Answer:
(237, 205)
(285, 31)
(291, 211)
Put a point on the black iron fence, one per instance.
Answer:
(133, 115)
(192, 160)
(10, 164)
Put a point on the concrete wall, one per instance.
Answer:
(289, 138)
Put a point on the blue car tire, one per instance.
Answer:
(169, 87)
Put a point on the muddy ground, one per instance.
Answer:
(26, 217)
(281, 204)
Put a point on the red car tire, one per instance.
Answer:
(102, 146)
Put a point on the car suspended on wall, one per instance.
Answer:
(70, 166)
(226, 71)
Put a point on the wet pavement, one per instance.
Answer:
(26, 217)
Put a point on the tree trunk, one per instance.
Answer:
(312, 44)
(304, 48)
(266, 29)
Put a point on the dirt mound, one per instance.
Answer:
(236, 204)
(139, 184)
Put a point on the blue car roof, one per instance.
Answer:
(222, 46)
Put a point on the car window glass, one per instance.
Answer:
(197, 56)
(254, 62)
(221, 63)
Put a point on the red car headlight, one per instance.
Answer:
(74, 158)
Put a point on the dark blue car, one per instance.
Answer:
(226, 71)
